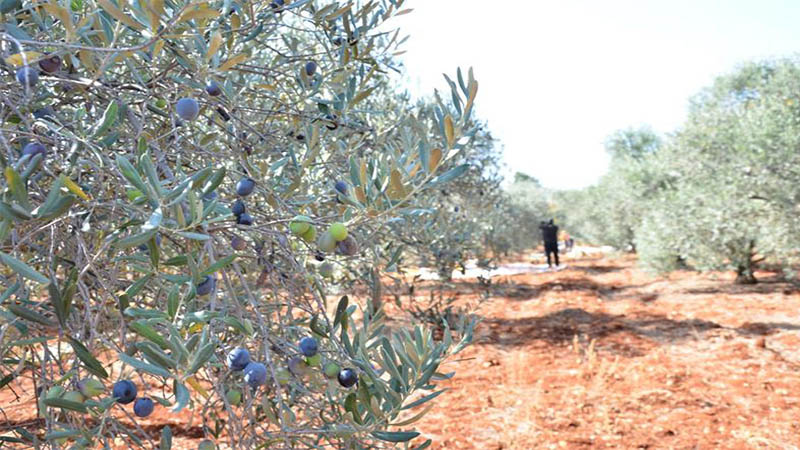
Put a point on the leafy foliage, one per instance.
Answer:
(524, 206)
(721, 193)
(610, 212)
(117, 238)
(734, 173)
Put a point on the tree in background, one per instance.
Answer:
(610, 212)
(526, 205)
(721, 193)
(734, 165)
(450, 225)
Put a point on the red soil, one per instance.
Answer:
(599, 355)
(603, 355)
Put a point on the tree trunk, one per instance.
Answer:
(744, 272)
(744, 275)
(631, 237)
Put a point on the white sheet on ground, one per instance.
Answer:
(473, 271)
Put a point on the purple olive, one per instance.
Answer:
(187, 109)
(255, 374)
(222, 113)
(213, 89)
(297, 366)
(311, 68)
(238, 359)
(245, 187)
(309, 346)
(244, 219)
(331, 123)
(347, 377)
(27, 76)
(347, 247)
(41, 113)
(144, 247)
(33, 149)
(124, 391)
(50, 64)
(206, 286)
(238, 208)
(238, 243)
(143, 407)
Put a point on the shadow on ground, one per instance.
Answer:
(764, 286)
(566, 285)
(601, 269)
(560, 327)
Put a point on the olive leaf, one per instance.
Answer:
(23, 269)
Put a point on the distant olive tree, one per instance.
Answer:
(720, 193)
(527, 204)
(734, 162)
(610, 212)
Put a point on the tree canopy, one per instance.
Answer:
(189, 182)
(720, 192)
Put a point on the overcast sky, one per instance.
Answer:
(557, 77)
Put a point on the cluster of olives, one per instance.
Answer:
(87, 388)
(255, 374)
(124, 392)
(188, 109)
(335, 238)
(244, 187)
(346, 377)
(28, 76)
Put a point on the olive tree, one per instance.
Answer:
(453, 223)
(184, 184)
(609, 213)
(733, 169)
(523, 206)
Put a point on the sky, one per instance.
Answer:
(557, 77)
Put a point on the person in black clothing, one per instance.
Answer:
(550, 238)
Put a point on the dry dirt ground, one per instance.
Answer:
(603, 355)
